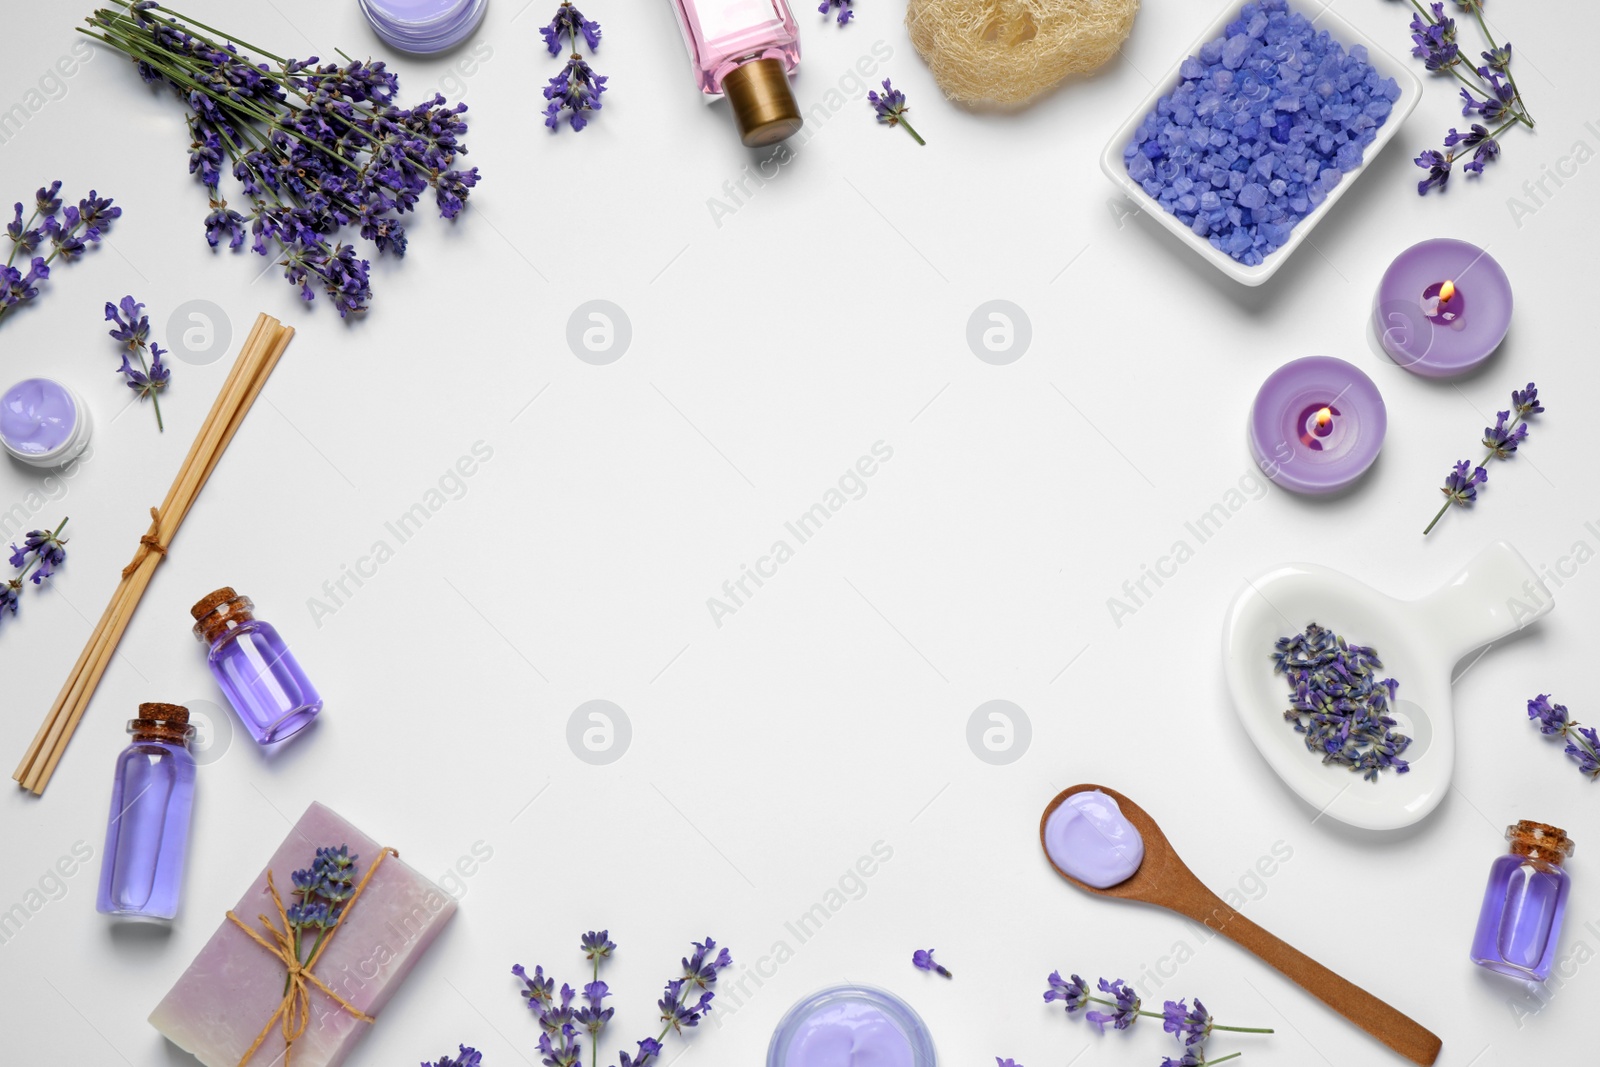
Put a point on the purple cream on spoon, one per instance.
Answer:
(1089, 838)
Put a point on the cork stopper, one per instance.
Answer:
(1540, 841)
(162, 722)
(219, 611)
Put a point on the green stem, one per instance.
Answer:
(1244, 1029)
(1229, 1056)
(917, 136)
(193, 22)
(155, 398)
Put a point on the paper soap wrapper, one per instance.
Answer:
(222, 1001)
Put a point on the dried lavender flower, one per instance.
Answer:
(560, 1022)
(133, 330)
(1502, 440)
(923, 960)
(845, 13)
(1339, 702)
(70, 231)
(1582, 742)
(570, 23)
(891, 108)
(1191, 1028)
(576, 90)
(1489, 91)
(469, 1057)
(41, 553)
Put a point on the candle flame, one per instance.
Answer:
(1446, 291)
(1324, 419)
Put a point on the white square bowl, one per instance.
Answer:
(1342, 31)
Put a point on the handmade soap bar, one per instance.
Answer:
(234, 985)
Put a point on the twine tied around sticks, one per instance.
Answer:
(147, 544)
(295, 1009)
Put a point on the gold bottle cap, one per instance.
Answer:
(763, 103)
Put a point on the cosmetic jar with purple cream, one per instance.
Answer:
(424, 26)
(43, 423)
(851, 1026)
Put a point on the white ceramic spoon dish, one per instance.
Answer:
(1419, 641)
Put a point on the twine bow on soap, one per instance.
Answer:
(147, 544)
(294, 1012)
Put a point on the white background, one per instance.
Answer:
(829, 712)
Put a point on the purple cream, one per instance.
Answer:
(43, 423)
(851, 1026)
(1089, 838)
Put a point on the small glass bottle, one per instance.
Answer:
(261, 677)
(1522, 907)
(147, 833)
(746, 50)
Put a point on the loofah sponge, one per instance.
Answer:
(1009, 51)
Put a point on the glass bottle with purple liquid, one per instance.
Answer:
(147, 833)
(262, 679)
(1522, 907)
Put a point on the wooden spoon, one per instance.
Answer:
(1163, 880)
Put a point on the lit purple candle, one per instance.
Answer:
(1442, 308)
(1317, 425)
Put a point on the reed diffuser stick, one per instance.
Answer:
(262, 349)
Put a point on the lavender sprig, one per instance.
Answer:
(70, 231)
(469, 1057)
(686, 1000)
(133, 330)
(314, 148)
(1582, 742)
(1502, 440)
(576, 90)
(1190, 1028)
(891, 108)
(42, 552)
(922, 959)
(1488, 91)
(845, 13)
(321, 892)
(1339, 702)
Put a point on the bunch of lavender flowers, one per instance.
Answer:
(133, 330)
(41, 553)
(469, 1057)
(577, 88)
(1190, 1027)
(1502, 440)
(1339, 702)
(891, 108)
(1489, 91)
(1583, 743)
(685, 1002)
(845, 12)
(70, 231)
(315, 148)
(321, 891)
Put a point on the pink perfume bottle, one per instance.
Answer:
(746, 50)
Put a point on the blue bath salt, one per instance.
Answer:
(1264, 122)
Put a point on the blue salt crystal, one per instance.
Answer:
(1264, 122)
